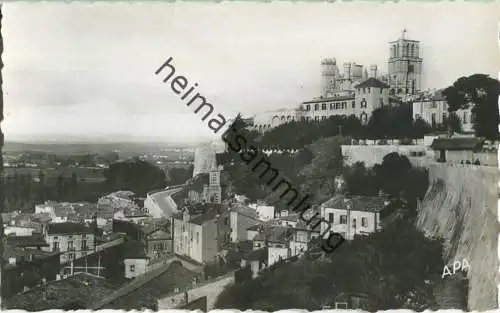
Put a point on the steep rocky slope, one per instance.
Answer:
(461, 207)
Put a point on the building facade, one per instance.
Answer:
(196, 237)
(405, 66)
(72, 240)
(352, 216)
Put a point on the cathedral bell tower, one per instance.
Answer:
(405, 66)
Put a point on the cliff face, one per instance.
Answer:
(461, 207)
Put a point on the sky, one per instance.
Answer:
(81, 71)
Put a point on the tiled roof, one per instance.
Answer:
(257, 255)
(68, 228)
(276, 234)
(290, 218)
(200, 219)
(356, 203)
(245, 211)
(81, 288)
(372, 82)
(134, 250)
(27, 241)
(460, 143)
(338, 98)
(145, 290)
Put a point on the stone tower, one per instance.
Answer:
(405, 65)
(329, 76)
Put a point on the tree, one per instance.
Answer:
(481, 92)
(453, 123)
(420, 128)
(137, 176)
(318, 177)
(392, 173)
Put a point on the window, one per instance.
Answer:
(56, 246)
(132, 268)
(226, 221)
(465, 117)
(308, 107)
(363, 222)
(363, 103)
(433, 119)
(343, 219)
(71, 256)
(433, 104)
(323, 106)
(354, 222)
(330, 217)
(197, 237)
(331, 106)
(354, 104)
(70, 245)
(316, 107)
(84, 245)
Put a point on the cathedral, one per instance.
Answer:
(356, 90)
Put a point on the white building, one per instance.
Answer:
(431, 108)
(266, 212)
(73, 240)
(195, 236)
(160, 204)
(358, 215)
(241, 217)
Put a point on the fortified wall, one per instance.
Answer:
(460, 206)
(373, 154)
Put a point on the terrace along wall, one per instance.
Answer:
(461, 207)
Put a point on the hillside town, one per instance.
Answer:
(397, 172)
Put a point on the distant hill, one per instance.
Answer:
(90, 147)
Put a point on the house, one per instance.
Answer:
(72, 240)
(351, 301)
(241, 217)
(257, 260)
(266, 212)
(135, 259)
(121, 199)
(144, 291)
(286, 220)
(35, 241)
(77, 292)
(158, 241)
(131, 215)
(462, 150)
(357, 215)
(276, 240)
(160, 203)
(301, 238)
(195, 236)
(26, 268)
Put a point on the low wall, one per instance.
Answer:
(461, 207)
(210, 289)
(373, 154)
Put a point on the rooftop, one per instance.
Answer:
(356, 203)
(27, 241)
(458, 143)
(257, 255)
(372, 82)
(68, 228)
(82, 289)
(277, 234)
(145, 290)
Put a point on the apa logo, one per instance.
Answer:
(457, 265)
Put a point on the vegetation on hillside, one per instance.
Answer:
(395, 268)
